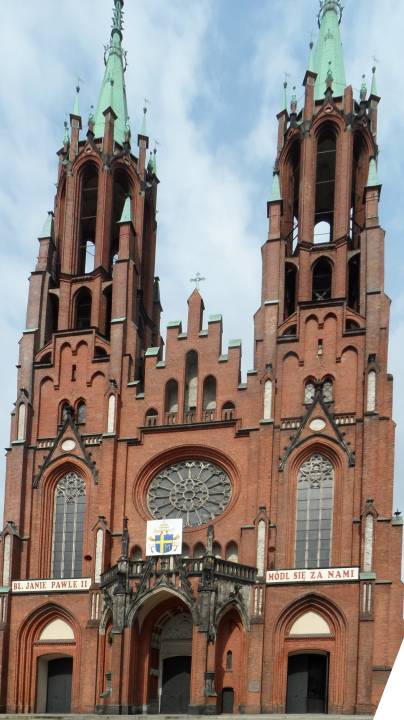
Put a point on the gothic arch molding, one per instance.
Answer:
(335, 645)
(28, 651)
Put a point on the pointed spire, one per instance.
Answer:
(76, 104)
(328, 53)
(113, 89)
(364, 90)
(66, 136)
(293, 101)
(276, 189)
(373, 88)
(47, 230)
(310, 62)
(285, 96)
(154, 160)
(373, 179)
(127, 211)
(143, 127)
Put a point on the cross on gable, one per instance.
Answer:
(197, 279)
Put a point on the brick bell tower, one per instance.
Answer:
(322, 334)
(285, 594)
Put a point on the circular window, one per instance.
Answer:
(194, 490)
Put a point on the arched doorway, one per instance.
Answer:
(162, 650)
(307, 687)
(175, 664)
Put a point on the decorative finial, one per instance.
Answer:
(76, 106)
(197, 279)
(373, 88)
(293, 102)
(143, 127)
(66, 137)
(310, 61)
(154, 159)
(91, 118)
(150, 164)
(364, 90)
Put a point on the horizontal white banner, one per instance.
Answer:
(308, 575)
(51, 585)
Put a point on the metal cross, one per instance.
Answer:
(197, 279)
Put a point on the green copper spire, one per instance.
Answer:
(373, 180)
(328, 52)
(276, 189)
(113, 90)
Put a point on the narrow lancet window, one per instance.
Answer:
(171, 402)
(322, 280)
(88, 217)
(83, 309)
(315, 488)
(209, 398)
(68, 527)
(290, 289)
(368, 544)
(371, 397)
(267, 400)
(191, 382)
(325, 186)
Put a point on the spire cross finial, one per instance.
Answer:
(197, 279)
(117, 16)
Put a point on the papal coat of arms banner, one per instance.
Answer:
(164, 537)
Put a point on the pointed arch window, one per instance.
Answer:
(325, 186)
(290, 289)
(315, 493)
(191, 383)
(121, 192)
(322, 280)
(209, 398)
(83, 309)
(171, 402)
(68, 527)
(81, 412)
(88, 218)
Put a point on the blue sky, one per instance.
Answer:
(213, 72)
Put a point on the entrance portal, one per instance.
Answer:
(307, 683)
(175, 650)
(227, 701)
(59, 687)
(175, 688)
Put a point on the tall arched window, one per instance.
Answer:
(171, 402)
(325, 185)
(267, 415)
(81, 412)
(121, 191)
(322, 280)
(368, 544)
(191, 381)
(371, 394)
(232, 551)
(88, 217)
(354, 282)
(290, 289)
(68, 526)
(315, 487)
(209, 398)
(83, 309)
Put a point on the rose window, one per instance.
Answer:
(194, 490)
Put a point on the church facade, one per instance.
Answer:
(283, 593)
